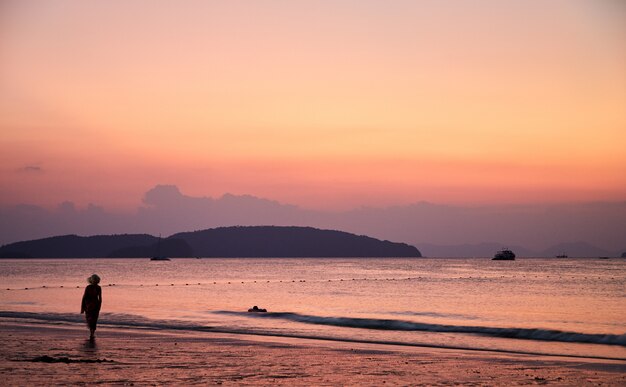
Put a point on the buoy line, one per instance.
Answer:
(204, 283)
(212, 283)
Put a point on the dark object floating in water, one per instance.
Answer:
(256, 309)
(504, 255)
(160, 258)
(562, 255)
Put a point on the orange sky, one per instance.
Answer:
(328, 105)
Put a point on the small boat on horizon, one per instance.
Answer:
(504, 255)
(158, 256)
(562, 255)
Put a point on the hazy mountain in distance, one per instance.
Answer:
(578, 249)
(225, 242)
(535, 227)
(167, 247)
(165, 210)
(274, 241)
(74, 246)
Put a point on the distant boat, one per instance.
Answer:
(158, 256)
(504, 255)
(562, 255)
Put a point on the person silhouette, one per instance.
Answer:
(92, 301)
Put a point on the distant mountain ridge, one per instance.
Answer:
(274, 241)
(74, 246)
(578, 249)
(227, 242)
(165, 209)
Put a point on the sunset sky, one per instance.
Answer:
(322, 104)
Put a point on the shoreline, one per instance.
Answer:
(75, 321)
(31, 354)
(30, 318)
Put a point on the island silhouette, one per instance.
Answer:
(223, 242)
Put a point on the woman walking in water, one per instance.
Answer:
(92, 301)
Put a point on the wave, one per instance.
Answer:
(401, 325)
(435, 314)
(137, 322)
(114, 319)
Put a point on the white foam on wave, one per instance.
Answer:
(134, 321)
(401, 325)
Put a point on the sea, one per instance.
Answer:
(556, 306)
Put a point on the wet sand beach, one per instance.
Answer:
(45, 354)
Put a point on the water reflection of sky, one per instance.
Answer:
(576, 295)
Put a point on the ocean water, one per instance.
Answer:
(570, 307)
